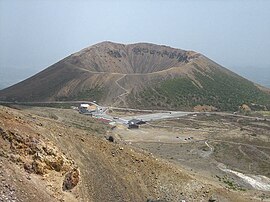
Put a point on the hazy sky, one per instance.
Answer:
(37, 33)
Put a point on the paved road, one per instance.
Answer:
(158, 116)
(145, 117)
(148, 117)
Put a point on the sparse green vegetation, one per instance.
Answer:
(218, 89)
(89, 94)
(94, 93)
(230, 183)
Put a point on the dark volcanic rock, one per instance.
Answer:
(71, 180)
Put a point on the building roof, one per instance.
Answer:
(84, 105)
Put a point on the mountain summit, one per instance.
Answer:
(140, 75)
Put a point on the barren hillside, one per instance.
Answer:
(48, 159)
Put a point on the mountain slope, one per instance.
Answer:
(216, 88)
(133, 75)
(38, 153)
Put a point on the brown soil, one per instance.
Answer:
(202, 142)
(44, 159)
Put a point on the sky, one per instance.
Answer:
(35, 34)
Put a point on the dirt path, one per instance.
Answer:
(133, 74)
(120, 97)
(207, 154)
(239, 143)
(242, 152)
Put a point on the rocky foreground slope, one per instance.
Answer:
(139, 75)
(42, 159)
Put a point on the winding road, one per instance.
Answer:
(123, 94)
